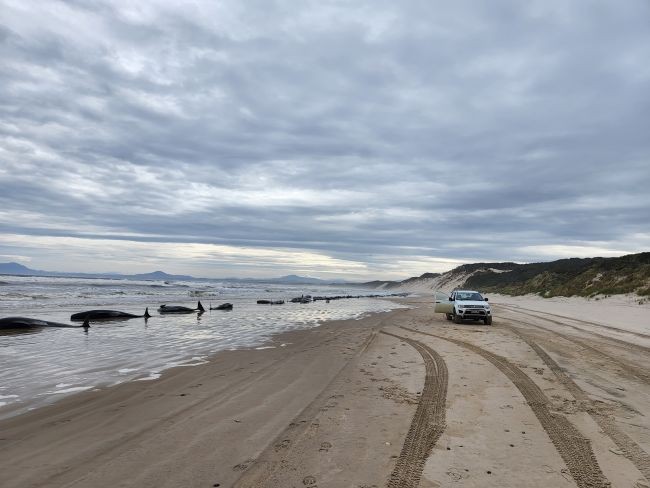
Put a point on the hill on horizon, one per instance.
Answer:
(18, 269)
(587, 277)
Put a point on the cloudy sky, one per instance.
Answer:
(355, 139)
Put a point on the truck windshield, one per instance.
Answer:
(469, 297)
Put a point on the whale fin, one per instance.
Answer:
(199, 307)
(86, 323)
(146, 313)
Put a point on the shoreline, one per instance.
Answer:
(396, 396)
(136, 408)
(123, 368)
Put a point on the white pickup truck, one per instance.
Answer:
(465, 305)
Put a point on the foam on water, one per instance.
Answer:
(39, 366)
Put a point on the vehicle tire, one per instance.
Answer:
(487, 321)
(458, 319)
(449, 316)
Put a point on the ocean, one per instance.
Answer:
(40, 366)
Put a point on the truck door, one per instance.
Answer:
(443, 304)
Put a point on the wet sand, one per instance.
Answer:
(401, 399)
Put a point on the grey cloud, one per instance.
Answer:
(353, 130)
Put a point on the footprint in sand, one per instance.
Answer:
(243, 466)
(455, 474)
(282, 445)
(325, 446)
(309, 481)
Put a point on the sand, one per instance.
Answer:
(401, 399)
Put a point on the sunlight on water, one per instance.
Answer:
(41, 366)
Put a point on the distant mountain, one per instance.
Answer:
(159, 275)
(16, 269)
(564, 277)
(19, 269)
(414, 282)
(296, 280)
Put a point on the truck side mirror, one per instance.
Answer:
(486, 299)
(451, 299)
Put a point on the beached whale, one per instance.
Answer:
(223, 306)
(27, 323)
(107, 314)
(302, 299)
(179, 309)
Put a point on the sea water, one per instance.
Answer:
(42, 365)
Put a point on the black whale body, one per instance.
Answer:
(270, 302)
(107, 314)
(27, 323)
(180, 309)
(223, 306)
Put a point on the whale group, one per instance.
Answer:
(22, 323)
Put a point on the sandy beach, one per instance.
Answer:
(550, 395)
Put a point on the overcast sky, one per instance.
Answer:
(352, 139)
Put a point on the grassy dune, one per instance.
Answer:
(565, 277)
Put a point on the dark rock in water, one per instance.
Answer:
(164, 309)
(223, 306)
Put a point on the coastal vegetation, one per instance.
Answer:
(586, 277)
(567, 277)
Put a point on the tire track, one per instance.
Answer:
(593, 324)
(429, 421)
(639, 373)
(573, 447)
(581, 321)
(631, 450)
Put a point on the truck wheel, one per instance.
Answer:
(449, 317)
(458, 319)
(487, 321)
